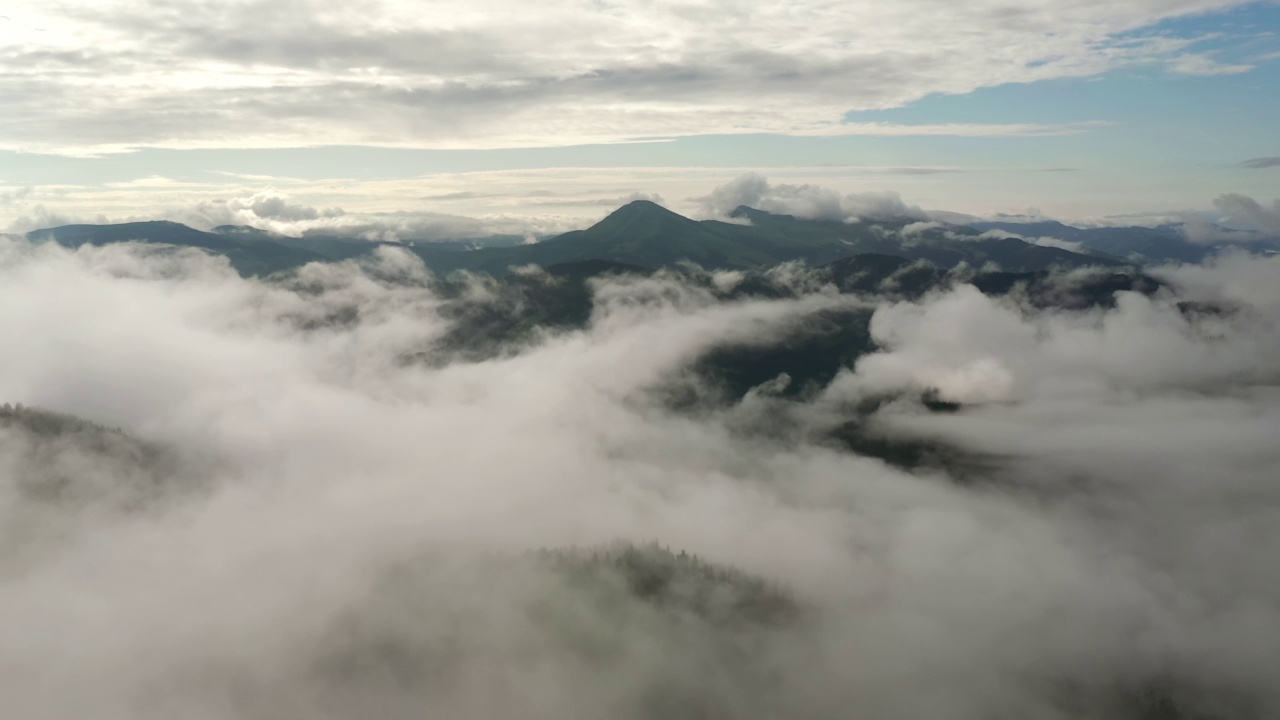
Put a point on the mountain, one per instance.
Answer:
(645, 234)
(641, 234)
(337, 247)
(873, 273)
(519, 307)
(1162, 244)
(942, 244)
(327, 247)
(249, 253)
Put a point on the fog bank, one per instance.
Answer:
(303, 519)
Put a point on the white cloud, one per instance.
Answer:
(806, 201)
(1059, 243)
(260, 208)
(1236, 218)
(1122, 548)
(39, 216)
(109, 75)
(1052, 242)
(204, 208)
(10, 196)
(920, 227)
(1204, 65)
(1248, 213)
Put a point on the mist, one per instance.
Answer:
(276, 508)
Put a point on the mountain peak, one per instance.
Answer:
(642, 217)
(146, 230)
(647, 234)
(642, 207)
(753, 214)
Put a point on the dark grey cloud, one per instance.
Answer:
(1262, 163)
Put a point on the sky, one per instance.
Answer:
(470, 118)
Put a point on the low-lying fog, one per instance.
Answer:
(301, 518)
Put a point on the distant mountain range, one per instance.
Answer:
(1165, 243)
(643, 234)
(249, 255)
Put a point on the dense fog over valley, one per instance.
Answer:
(621, 360)
(361, 488)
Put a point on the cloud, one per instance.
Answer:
(40, 217)
(357, 548)
(978, 350)
(1236, 219)
(121, 74)
(1069, 245)
(630, 198)
(612, 202)
(805, 201)
(1261, 163)
(278, 213)
(266, 208)
(1246, 213)
(460, 195)
(1059, 243)
(429, 207)
(1204, 65)
(10, 196)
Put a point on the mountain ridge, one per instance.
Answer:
(640, 233)
(250, 255)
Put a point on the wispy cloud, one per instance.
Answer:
(1262, 163)
(1205, 65)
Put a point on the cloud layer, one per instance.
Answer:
(90, 77)
(336, 557)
